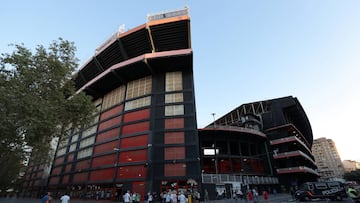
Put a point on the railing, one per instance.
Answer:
(242, 129)
(245, 179)
(170, 14)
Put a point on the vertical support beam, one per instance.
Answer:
(268, 158)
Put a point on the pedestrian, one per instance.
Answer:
(206, 196)
(168, 197)
(127, 197)
(150, 198)
(182, 198)
(255, 195)
(174, 197)
(46, 198)
(65, 198)
(265, 195)
(239, 194)
(250, 196)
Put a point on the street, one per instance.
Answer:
(279, 198)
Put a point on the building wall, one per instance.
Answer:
(350, 165)
(327, 158)
(144, 134)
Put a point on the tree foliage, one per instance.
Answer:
(353, 176)
(37, 101)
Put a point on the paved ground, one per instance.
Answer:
(279, 198)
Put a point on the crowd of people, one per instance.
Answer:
(47, 198)
(249, 195)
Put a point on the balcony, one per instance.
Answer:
(298, 169)
(246, 179)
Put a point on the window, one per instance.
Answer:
(72, 147)
(138, 88)
(173, 98)
(84, 153)
(95, 119)
(89, 131)
(173, 81)
(88, 141)
(61, 151)
(64, 141)
(142, 102)
(174, 110)
(75, 138)
(114, 97)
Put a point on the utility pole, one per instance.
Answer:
(213, 114)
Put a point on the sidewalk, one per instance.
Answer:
(278, 198)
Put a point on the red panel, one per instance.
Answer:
(104, 174)
(65, 179)
(175, 169)
(59, 161)
(172, 123)
(110, 123)
(224, 166)
(111, 112)
(68, 168)
(174, 137)
(174, 153)
(108, 134)
(70, 157)
(132, 172)
(82, 165)
(80, 177)
(137, 141)
(138, 127)
(56, 171)
(104, 160)
(137, 115)
(106, 147)
(54, 181)
(133, 156)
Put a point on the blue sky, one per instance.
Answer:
(244, 51)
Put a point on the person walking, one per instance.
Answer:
(182, 198)
(127, 197)
(250, 196)
(168, 197)
(265, 195)
(65, 198)
(255, 195)
(46, 198)
(150, 197)
(206, 196)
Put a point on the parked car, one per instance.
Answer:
(324, 190)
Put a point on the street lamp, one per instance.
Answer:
(213, 114)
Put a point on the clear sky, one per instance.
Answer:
(244, 51)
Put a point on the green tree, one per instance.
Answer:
(353, 176)
(38, 101)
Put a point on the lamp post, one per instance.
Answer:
(213, 114)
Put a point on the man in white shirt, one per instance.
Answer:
(65, 198)
(127, 197)
(182, 198)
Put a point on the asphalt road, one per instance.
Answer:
(279, 198)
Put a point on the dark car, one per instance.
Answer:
(324, 190)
